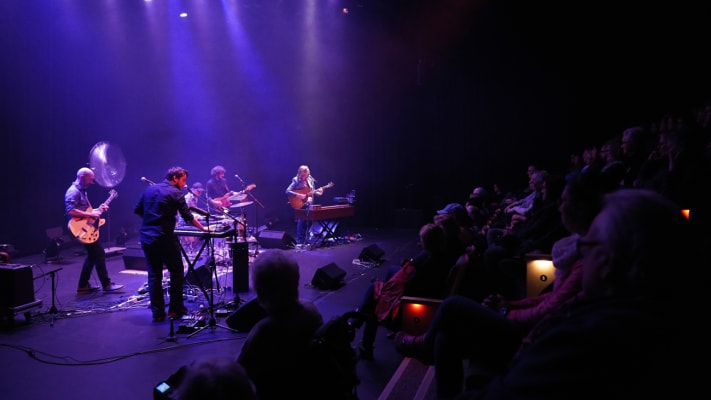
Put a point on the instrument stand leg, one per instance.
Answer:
(53, 310)
(171, 335)
(212, 323)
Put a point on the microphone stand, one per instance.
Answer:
(52, 310)
(256, 215)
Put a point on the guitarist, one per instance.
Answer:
(217, 190)
(303, 187)
(76, 204)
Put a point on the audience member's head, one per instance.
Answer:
(632, 140)
(432, 237)
(275, 276)
(581, 200)
(457, 211)
(634, 245)
(215, 379)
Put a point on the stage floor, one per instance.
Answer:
(105, 345)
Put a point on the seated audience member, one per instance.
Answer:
(523, 206)
(634, 152)
(632, 333)
(502, 257)
(455, 221)
(215, 379)
(613, 166)
(276, 351)
(428, 279)
(489, 333)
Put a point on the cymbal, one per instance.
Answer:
(238, 197)
(242, 204)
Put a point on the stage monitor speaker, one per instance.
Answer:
(275, 240)
(201, 274)
(246, 316)
(329, 277)
(133, 258)
(16, 285)
(372, 253)
(240, 266)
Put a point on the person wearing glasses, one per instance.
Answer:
(633, 331)
(489, 333)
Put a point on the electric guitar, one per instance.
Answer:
(297, 203)
(86, 229)
(226, 199)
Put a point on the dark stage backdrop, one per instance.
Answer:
(410, 103)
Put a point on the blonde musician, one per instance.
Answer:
(301, 191)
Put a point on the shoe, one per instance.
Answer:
(159, 318)
(177, 313)
(112, 287)
(413, 346)
(365, 352)
(87, 289)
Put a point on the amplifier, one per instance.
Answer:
(16, 285)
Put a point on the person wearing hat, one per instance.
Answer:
(194, 198)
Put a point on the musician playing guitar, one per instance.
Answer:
(301, 192)
(77, 208)
(217, 190)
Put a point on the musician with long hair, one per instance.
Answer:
(302, 191)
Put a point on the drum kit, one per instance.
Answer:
(235, 217)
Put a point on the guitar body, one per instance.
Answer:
(86, 230)
(224, 200)
(298, 203)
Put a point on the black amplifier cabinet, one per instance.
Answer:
(16, 285)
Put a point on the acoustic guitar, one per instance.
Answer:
(86, 229)
(297, 203)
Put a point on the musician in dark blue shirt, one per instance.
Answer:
(159, 206)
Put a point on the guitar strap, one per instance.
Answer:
(86, 197)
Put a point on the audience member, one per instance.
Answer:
(276, 351)
(634, 152)
(612, 165)
(537, 233)
(216, 378)
(630, 335)
(428, 279)
(490, 332)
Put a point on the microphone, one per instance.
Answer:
(190, 191)
(148, 181)
(199, 211)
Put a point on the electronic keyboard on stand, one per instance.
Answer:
(327, 217)
(216, 231)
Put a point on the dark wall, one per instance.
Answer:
(410, 103)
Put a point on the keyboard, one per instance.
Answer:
(216, 231)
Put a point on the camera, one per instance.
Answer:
(168, 389)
